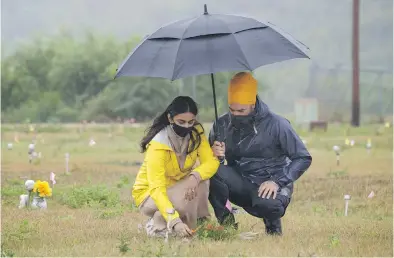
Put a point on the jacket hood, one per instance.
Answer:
(261, 110)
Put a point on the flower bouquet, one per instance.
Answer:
(38, 191)
(215, 232)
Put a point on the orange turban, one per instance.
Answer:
(242, 89)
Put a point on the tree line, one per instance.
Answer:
(65, 79)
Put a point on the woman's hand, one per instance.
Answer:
(182, 230)
(191, 188)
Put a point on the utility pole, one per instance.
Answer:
(356, 65)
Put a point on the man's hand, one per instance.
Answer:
(182, 230)
(219, 149)
(267, 188)
(191, 188)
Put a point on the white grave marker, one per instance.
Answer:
(337, 152)
(92, 142)
(52, 179)
(369, 146)
(67, 156)
(347, 199)
(371, 195)
(31, 148)
(31, 152)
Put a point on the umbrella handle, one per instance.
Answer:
(222, 159)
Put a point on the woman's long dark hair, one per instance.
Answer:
(180, 105)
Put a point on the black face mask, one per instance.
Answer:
(180, 130)
(243, 122)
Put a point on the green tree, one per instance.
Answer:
(64, 79)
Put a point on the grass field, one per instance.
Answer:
(91, 211)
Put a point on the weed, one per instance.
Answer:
(90, 196)
(5, 252)
(108, 214)
(334, 241)
(14, 182)
(337, 173)
(124, 180)
(24, 230)
(124, 244)
(12, 190)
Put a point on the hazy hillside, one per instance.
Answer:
(323, 25)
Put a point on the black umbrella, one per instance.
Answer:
(208, 44)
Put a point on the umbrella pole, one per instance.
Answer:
(214, 97)
(217, 132)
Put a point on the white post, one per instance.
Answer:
(347, 199)
(30, 152)
(67, 160)
(52, 180)
(337, 152)
(369, 146)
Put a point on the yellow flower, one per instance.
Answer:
(42, 188)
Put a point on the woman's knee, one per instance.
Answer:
(149, 212)
(148, 207)
(203, 186)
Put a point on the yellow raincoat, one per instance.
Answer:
(160, 170)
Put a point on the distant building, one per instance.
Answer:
(306, 111)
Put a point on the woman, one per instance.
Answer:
(170, 188)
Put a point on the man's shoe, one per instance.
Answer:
(229, 221)
(273, 227)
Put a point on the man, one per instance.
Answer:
(264, 157)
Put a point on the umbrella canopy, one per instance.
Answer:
(208, 44)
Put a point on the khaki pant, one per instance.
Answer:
(189, 211)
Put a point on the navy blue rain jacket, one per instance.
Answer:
(268, 149)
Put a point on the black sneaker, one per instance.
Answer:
(229, 221)
(273, 227)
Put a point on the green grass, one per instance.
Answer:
(91, 211)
